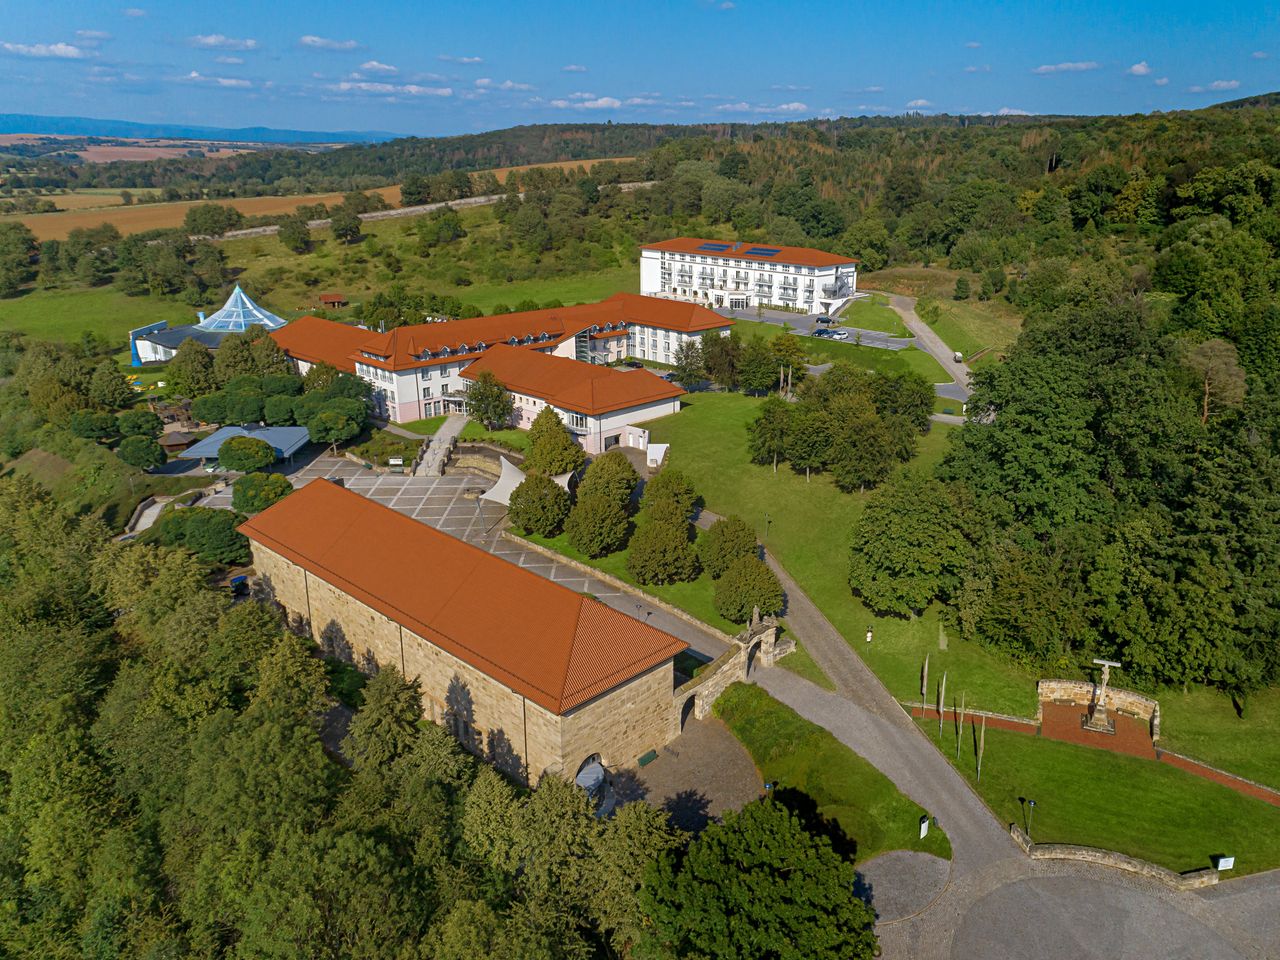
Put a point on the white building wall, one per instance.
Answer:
(718, 281)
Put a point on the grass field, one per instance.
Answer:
(1202, 723)
(809, 525)
(874, 313)
(104, 311)
(577, 288)
(798, 755)
(426, 427)
(1138, 807)
(515, 439)
(870, 358)
(802, 664)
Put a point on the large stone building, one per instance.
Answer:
(718, 273)
(415, 371)
(529, 674)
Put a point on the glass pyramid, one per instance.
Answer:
(238, 314)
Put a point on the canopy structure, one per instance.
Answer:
(285, 441)
(510, 478)
(238, 314)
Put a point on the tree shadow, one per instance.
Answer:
(863, 890)
(627, 786)
(334, 643)
(501, 752)
(688, 810)
(460, 715)
(806, 811)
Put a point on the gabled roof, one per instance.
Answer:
(238, 314)
(317, 340)
(556, 647)
(734, 250)
(285, 441)
(571, 384)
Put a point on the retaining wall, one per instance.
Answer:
(1122, 701)
(1191, 880)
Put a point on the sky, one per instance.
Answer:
(432, 68)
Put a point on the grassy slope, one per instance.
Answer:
(796, 754)
(802, 664)
(1202, 723)
(874, 313)
(1145, 809)
(104, 311)
(883, 361)
(516, 439)
(426, 427)
(809, 532)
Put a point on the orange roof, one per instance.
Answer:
(316, 340)
(556, 647)
(803, 256)
(571, 384)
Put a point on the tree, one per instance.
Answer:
(319, 378)
(539, 505)
(756, 885)
(17, 253)
(808, 440)
(1222, 381)
(488, 400)
(547, 421)
(207, 532)
(908, 547)
(212, 219)
(295, 234)
(278, 410)
(612, 476)
(768, 432)
(233, 359)
(210, 408)
(747, 584)
(728, 539)
(93, 425)
(689, 369)
(345, 225)
(333, 426)
(662, 553)
(553, 450)
(962, 289)
(757, 370)
(673, 487)
(245, 454)
(109, 387)
(190, 372)
(141, 452)
(385, 727)
(139, 423)
(597, 524)
(627, 846)
(257, 491)
(721, 356)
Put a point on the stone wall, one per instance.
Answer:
(1123, 701)
(1191, 880)
(758, 645)
(624, 724)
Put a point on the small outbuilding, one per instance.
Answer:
(285, 441)
(333, 299)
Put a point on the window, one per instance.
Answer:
(578, 420)
(426, 393)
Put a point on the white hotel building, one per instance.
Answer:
(717, 273)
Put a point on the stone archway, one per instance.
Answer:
(687, 711)
(752, 652)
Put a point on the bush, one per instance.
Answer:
(728, 539)
(211, 408)
(141, 452)
(139, 423)
(962, 288)
(539, 505)
(257, 491)
(662, 553)
(245, 454)
(553, 451)
(611, 476)
(208, 533)
(670, 485)
(93, 425)
(278, 410)
(746, 584)
(597, 524)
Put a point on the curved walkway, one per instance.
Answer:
(929, 341)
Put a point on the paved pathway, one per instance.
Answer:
(929, 341)
(432, 464)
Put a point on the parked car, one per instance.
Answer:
(839, 334)
(823, 318)
(822, 334)
(958, 357)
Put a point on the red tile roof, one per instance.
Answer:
(556, 647)
(316, 340)
(803, 256)
(403, 348)
(571, 384)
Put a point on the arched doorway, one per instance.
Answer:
(686, 711)
(751, 657)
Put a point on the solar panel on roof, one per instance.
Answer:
(764, 251)
(715, 247)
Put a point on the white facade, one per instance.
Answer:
(725, 280)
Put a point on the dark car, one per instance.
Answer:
(825, 319)
(821, 334)
(633, 364)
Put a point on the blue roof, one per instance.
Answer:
(284, 440)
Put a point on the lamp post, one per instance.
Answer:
(766, 527)
(1031, 816)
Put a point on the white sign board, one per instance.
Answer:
(395, 461)
(924, 826)
(1225, 863)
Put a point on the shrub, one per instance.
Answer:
(662, 553)
(141, 452)
(670, 485)
(245, 454)
(211, 408)
(597, 525)
(257, 491)
(552, 450)
(746, 584)
(611, 476)
(728, 539)
(139, 423)
(93, 425)
(207, 532)
(278, 410)
(539, 505)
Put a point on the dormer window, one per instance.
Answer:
(463, 348)
(513, 341)
(482, 345)
(528, 338)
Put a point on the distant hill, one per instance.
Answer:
(90, 127)
(1263, 100)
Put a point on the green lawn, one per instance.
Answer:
(1138, 807)
(576, 288)
(104, 311)
(797, 754)
(426, 427)
(1202, 723)
(380, 446)
(947, 405)
(517, 440)
(808, 531)
(802, 664)
(870, 358)
(874, 313)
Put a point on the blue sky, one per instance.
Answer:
(438, 68)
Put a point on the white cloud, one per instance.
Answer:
(641, 102)
(1139, 69)
(985, 68)
(325, 43)
(1012, 112)
(791, 87)
(739, 107)
(727, 5)
(231, 61)
(375, 66)
(973, 44)
(743, 107)
(794, 107)
(1224, 85)
(45, 51)
(872, 106)
(870, 90)
(574, 68)
(390, 89)
(91, 38)
(452, 59)
(581, 95)
(1076, 66)
(218, 41)
(490, 84)
(1260, 55)
(685, 103)
(134, 12)
(916, 104)
(1162, 81)
(596, 103)
(230, 82)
